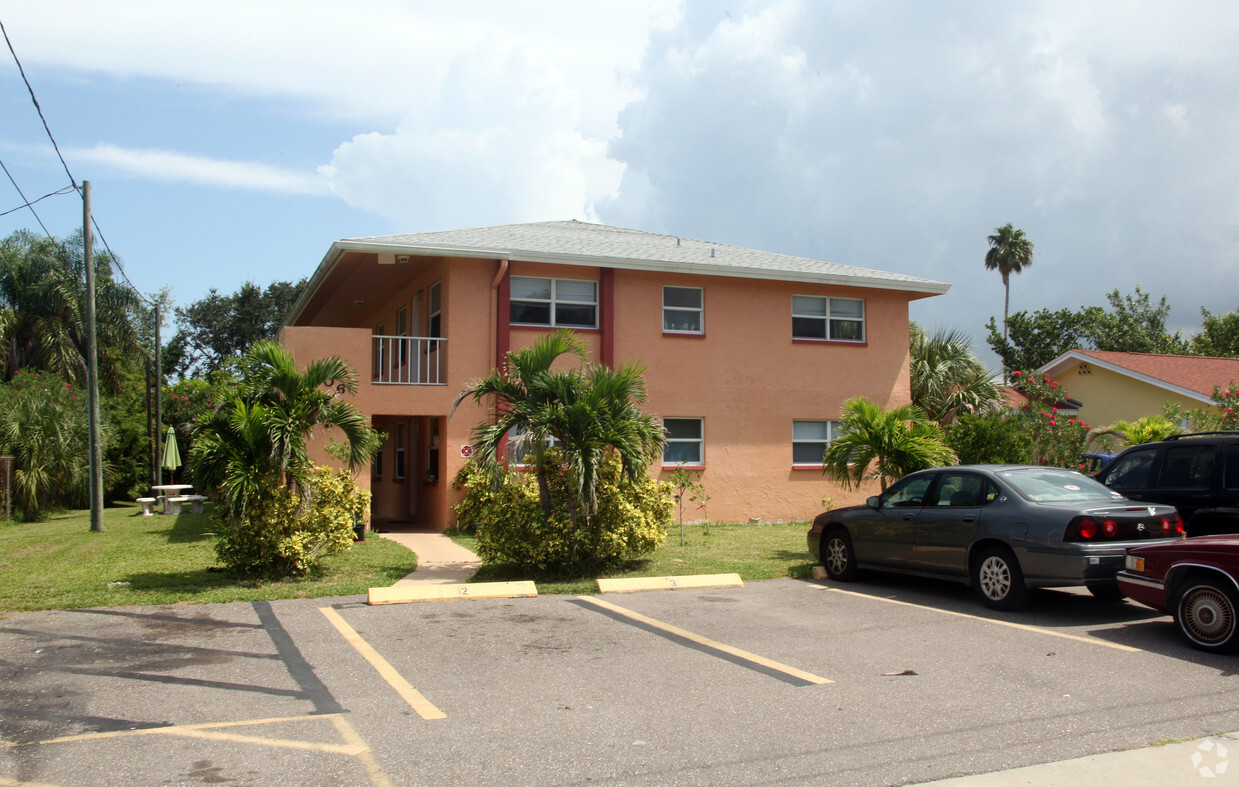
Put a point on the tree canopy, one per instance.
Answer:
(1131, 324)
(219, 329)
(42, 310)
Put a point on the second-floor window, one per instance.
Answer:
(683, 310)
(558, 303)
(834, 319)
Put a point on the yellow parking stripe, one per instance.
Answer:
(411, 695)
(708, 643)
(1008, 624)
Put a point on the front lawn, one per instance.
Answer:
(753, 551)
(60, 564)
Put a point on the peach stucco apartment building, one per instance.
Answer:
(750, 355)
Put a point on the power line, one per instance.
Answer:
(31, 203)
(37, 108)
(74, 186)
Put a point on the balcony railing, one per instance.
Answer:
(406, 360)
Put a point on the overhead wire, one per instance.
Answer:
(73, 181)
(28, 203)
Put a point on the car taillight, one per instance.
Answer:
(1178, 524)
(1109, 528)
(1081, 529)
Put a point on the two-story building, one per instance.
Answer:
(750, 355)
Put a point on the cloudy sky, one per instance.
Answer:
(235, 140)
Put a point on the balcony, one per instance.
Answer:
(406, 360)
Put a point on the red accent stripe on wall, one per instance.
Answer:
(607, 297)
(503, 320)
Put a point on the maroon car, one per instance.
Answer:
(1195, 580)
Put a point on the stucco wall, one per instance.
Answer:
(746, 377)
(1107, 396)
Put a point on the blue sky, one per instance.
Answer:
(235, 141)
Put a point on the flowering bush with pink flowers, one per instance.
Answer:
(1224, 416)
(1036, 433)
(1057, 438)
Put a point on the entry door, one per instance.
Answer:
(415, 479)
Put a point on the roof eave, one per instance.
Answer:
(924, 286)
(1072, 357)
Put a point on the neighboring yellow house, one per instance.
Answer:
(1114, 386)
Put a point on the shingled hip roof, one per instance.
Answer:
(597, 244)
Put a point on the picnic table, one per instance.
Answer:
(173, 496)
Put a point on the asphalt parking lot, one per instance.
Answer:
(887, 681)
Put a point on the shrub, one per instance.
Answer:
(43, 425)
(278, 536)
(990, 438)
(631, 520)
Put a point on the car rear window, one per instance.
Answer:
(1189, 467)
(1054, 485)
(1130, 471)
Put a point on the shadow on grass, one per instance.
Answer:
(189, 528)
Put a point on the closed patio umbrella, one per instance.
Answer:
(171, 453)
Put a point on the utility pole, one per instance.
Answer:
(92, 371)
(158, 474)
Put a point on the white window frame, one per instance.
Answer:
(434, 322)
(379, 355)
(402, 329)
(550, 441)
(828, 319)
(555, 301)
(833, 430)
(398, 472)
(699, 441)
(699, 310)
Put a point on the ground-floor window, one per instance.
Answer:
(685, 441)
(810, 439)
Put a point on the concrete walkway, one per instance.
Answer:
(440, 560)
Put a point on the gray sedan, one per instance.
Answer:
(1000, 528)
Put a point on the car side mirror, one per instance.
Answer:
(874, 502)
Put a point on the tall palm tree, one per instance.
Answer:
(947, 379)
(590, 411)
(1010, 251)
(255, 439)
(893, 442)
(42, 310)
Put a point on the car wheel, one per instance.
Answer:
(997, 579)
(1106, 591)
(1206, 615)
(838, 556)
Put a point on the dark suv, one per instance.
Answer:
(1196, 473)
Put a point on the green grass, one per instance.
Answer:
(753, 551)
(60, 564)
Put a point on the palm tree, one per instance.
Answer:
(1010, 251)
(589, 411)
(1147, 429)
(946, 377)
(42, 310)
(894, 442)
(255, 439)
